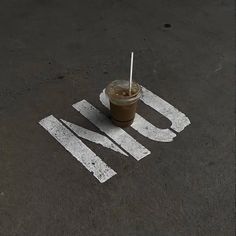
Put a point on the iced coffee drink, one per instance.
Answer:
(123, 103)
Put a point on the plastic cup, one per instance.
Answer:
(122, 104)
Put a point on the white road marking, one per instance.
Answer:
(122, 138)
(104, 99)
(147, 129)
(178, 119)
(143, 126)
(93, 137)
(77, 148)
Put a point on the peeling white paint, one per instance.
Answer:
(178, 119)
(77, 148)
(118, 135)
(88, 158)
(93, 137)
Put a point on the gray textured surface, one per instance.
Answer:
(55, 53)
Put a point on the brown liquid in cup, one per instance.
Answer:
(122, 103)
(123, 114)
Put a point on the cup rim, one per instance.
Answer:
(127, 99)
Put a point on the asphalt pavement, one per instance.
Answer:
(56, 53)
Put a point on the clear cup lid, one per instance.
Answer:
(118, 91)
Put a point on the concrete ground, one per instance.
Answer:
(55, 53)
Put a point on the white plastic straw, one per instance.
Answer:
(131, 72)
